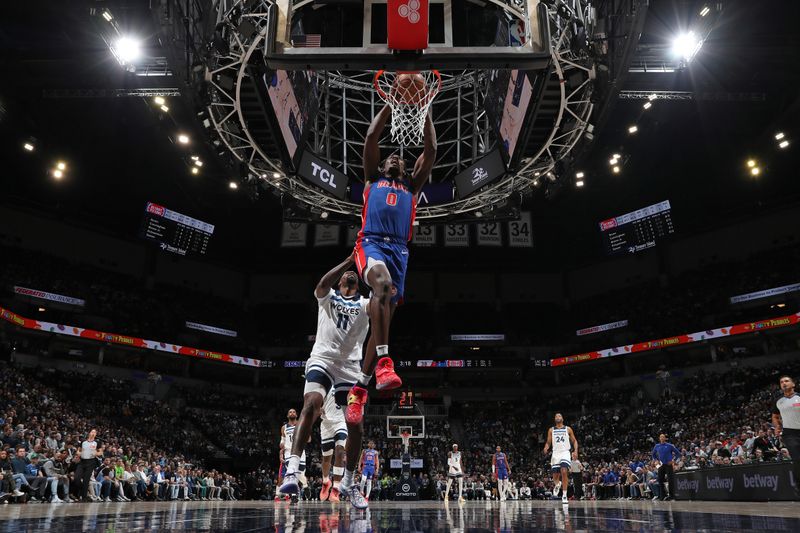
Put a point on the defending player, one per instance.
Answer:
(559, 438)
(455, 471)
(333, 367)
(333, 434)
(287, 441)
(381, 255)
(369, 468)
(501, 471)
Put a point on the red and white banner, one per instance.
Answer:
(53, 297)
(602, 327)
(688, 338)
(211, 329)
(124, 340)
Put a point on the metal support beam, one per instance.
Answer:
(715, 96)
(110, 93)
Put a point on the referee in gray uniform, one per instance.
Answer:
(786, 419)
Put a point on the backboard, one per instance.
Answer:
(343, 35)
(414, 424)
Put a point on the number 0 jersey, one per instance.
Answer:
(389, 210)
(342, 325)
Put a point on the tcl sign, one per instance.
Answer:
(322, 175)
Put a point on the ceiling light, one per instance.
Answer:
(195, 170)
(198, 163)
(783, 144)
(324, 215)
(28, 146)
(183, 138)
(164, 108)
(61, 165)
(705, 11)
(652, 96)
(612, 161)
(159, 100)
(58, 174)
(633, 129)
(276, 175)
(195, 157)
(107, 15)
(579, 183)
(616, 156)
(779, 136)
(647, 105)
(41, 309)
(128, 49)
(755, 171)
(686, 46)
(233, 185)
(616, 170)
(579, 175)
(751, 163)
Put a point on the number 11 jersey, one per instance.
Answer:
(342, 325)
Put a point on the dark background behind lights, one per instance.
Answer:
(120, 154)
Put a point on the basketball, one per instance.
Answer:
(409, 88)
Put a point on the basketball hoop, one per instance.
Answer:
(406, 436)
(409, 104)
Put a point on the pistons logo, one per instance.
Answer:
(409, 11)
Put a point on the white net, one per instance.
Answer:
(410, 95)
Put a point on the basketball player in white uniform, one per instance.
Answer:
(333, 433)
(559, 438)
(455, 471)
(333, 367)
(287, 439)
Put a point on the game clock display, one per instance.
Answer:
(174, 232)
(638, 230)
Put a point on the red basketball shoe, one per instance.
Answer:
(326, 490)
(356, 400)
(385, 376)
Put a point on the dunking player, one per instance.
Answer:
(559, 438)
(333, 367)
(287, 441)
(455, 471)
(369, 468)
(501, 471)
(381, 255)
(333, 433)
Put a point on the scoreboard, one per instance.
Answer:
(637, 230)
(174, 232)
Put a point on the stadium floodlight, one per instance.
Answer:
(633, 129)
(164, 108)
(276, 175)
(652, 96)
(616, 169)
(233, 185)
(159, 100)
(705, 11)
(579, 175)
(183, 138)
(29, 147)
(613, 161)
(751, 163)
(779, 136)
(198, 163)
(195, 157)
(579, 183)
(61, 165)
(324, 215)
(647, 105)
(195, 170)
(127, 49)
(58, 174)
(783, 144)
(686, 46)
(107, 15)
(755, 171)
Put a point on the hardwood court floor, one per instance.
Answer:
(423, 516)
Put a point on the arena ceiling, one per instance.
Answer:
(60, 82)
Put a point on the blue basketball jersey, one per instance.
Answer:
(370, 458)
(500, 461)
(389, 210)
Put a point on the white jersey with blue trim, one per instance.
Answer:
(561, 442)
(288, 439)
(342, 325)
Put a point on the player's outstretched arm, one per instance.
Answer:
(372, 148)
(424, 164)
(329, 280)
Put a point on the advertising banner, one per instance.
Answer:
(753, 483)
(53, 297)
(775, 291)
(211, 329)
(602, 327)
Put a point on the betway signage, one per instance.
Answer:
(42, 295)
(211, 329)
(321, 174)
(775, 291)
(398, 463)
(484, 171)
(602, 327)
(757, 482)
